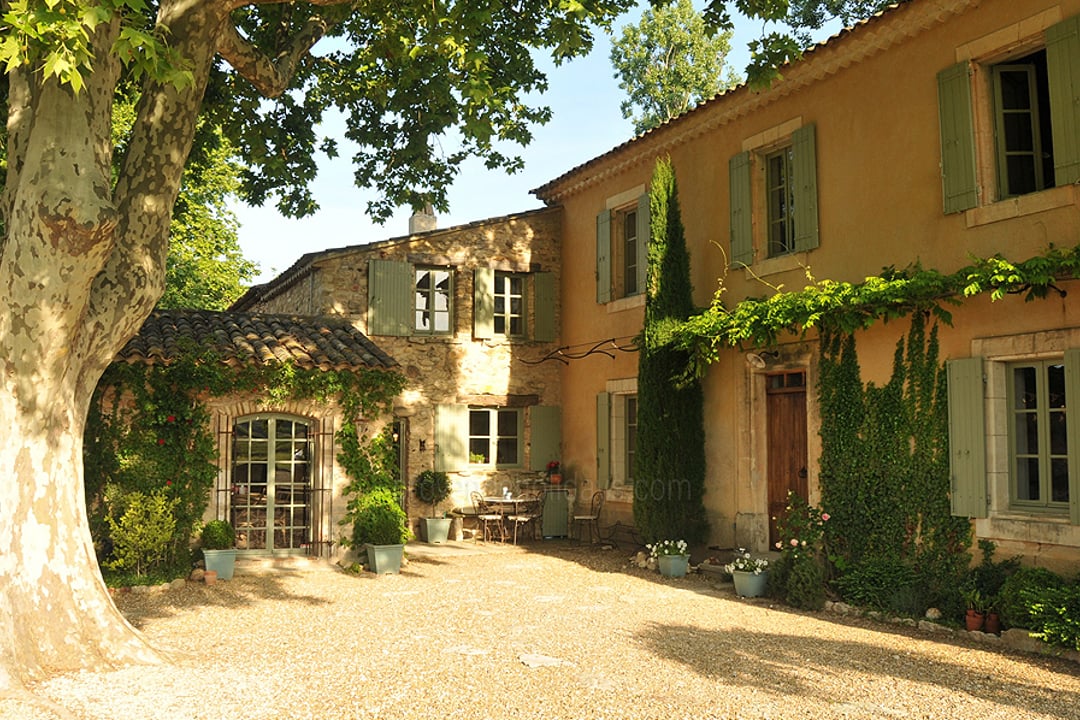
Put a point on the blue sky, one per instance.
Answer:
(584, 97)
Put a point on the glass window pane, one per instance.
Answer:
(1015, 92)
(1027, 434)
(1055, 382)
(1059, 480)
(1027, 478)
(479, 422)
(478, 450)
(508, 423)
(506, 452)
(1024, 388)
(260, 429)
(517, 326)
(1059, 441)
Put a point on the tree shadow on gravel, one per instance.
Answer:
(240, 592)
(787, 663)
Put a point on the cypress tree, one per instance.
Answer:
(669, 477)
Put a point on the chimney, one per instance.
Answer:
(422, 220)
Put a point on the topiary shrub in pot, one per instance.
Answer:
(432, 487)
(381, 525)
(218, 543)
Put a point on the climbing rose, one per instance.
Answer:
(825, 517)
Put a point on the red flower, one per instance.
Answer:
(168, 483)
(171, 418)
(161, 441)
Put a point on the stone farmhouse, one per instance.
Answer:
(934, 132)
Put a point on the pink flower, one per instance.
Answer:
(825, 517)
(794, 542)
(779, 544)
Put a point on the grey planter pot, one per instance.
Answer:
(385, 558)
(436, 530)
(223, 562)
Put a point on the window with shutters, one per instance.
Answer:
(1029, 95)
(773, 194)
(616, 424)
(495, 436)
(622, 234)
(406, 299)
(1038, 436)
(513, 305)
(509, 310)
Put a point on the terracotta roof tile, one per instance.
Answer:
(327, 343)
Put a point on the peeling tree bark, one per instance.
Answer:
(81, 267)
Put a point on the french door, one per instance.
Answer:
(271, 490)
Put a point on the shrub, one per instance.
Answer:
(1019, 591)
(141, 538)
(884, 583)
(432, 487)
(805, 583)
(217, 535)
(1055, 615)
(378, 519)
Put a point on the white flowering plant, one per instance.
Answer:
(668, 547)
(745, 562)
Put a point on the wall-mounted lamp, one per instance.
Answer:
(423, 445)
(758, 361)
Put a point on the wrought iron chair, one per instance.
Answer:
(528, 513)
(485, 517)
(592, 520)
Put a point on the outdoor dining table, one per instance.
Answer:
(508, 506)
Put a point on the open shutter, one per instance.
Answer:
(1063, 69)
(603, 256)
(644, 230)
(967, 437)
(483, 303)
(544, 314)
(958, 180)
(1072, 427)
(603, 440)
(545, 426)
(742, 243)
(451, 437)
(390, 295)
(804, 176)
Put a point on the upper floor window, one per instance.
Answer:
(1031, 100)
(433, 297)
(513, 305)
(622, 234)
(774, 197)
(509, 317)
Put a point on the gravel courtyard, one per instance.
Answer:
(552, 631)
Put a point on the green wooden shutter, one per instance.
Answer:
(603, 440)
(967, 437)
(390, 297)
(451, 437)
(603, 256)
(544, 314)
(958, 180)
(1072, 427)
(644, 230)
(1063, 70)
(546, 437)
(742, 241)
(804, 177)
(483, 303)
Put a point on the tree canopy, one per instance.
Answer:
(668, 63)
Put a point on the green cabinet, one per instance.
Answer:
(555, 522)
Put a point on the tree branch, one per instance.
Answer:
(272, 76)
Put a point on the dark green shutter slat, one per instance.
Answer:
(390, 297)
(545, 426)
(1063, 70)
(603, 257)
(804, 176)
(451, 437)
(967, 437)
(603, 440)
(544, 315)
(643, 231)
(1072, 427)
(958, 179)
(483, 303)
(742, 243)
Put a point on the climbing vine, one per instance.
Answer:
(148, 433)
(885, 476)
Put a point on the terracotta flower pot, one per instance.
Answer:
(210, 577)
(992, 623)
(974, 620)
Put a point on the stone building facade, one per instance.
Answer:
(469, 313)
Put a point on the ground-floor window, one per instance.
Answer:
(1038, 437)
(271, 490)
(495, 436)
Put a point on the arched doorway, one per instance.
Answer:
(271, 491)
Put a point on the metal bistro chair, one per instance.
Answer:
(592, 520)
(527, 514)
(485, 517)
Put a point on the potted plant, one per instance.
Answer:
(553, 472)
(750, 574)
(976, 609)
(672, 558)
(382, 526)
(433, 487)
(218, 542)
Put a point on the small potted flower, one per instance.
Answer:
(553, 472)
(672, 557)
(749, 573)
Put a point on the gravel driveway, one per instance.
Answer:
(552, 631)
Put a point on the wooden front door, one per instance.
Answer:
(785, 409)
